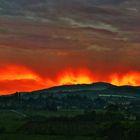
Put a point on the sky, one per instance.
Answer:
(55, 43)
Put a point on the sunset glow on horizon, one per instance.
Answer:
(19, 78)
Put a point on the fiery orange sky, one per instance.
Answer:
(45, 44)
(19, 78)
(69, 56)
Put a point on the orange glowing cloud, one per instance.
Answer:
(69, 76)
(130, 78)
(19, 78)
(13, 72)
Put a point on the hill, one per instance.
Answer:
(99, 87)
(96, 95)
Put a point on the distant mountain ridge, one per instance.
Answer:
(93, 86)
(96, 88)
(99, 86)
(85, 96)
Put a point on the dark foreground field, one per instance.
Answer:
(69, 125)
(40, 137)
(11, 121)
(74, 112)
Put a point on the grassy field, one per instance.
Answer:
(39, 137)
(11, 120)
(64, 113)
(59, 125)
